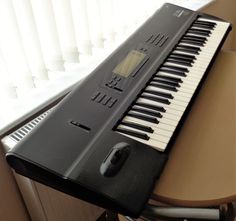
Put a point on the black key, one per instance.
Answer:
(192, 42)
(175, 79)
(171, 83)
(184, 56)
(138, 126)
(146, 111)
(170, 71)
(181, 58)
(189, 47)
(153, 107)
(170, 88)
(195, 38)
(134, 133)
(187, 50)
(199, 32)
(205, 23)
(209, 27)
(189, 37)
(175, 67)
(143, 117)
(159, 93)
(154, 98)
(177, 61)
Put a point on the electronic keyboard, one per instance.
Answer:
(108, 140)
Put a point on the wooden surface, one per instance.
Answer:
(12, 207)
(201, 169)
(59, 206)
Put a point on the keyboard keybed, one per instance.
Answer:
(157, 111)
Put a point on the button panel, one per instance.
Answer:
(105, 100)
(115, 82)
(102, 98)
(111, 103)
(95, 95)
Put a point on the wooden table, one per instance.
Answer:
(201, 170)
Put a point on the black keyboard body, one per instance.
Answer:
(69, 150)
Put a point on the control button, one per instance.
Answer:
(113, 77)
(100, 97)
(94, 96)
(134, 73)
(105, 100)
(163, 42)
(111, 102)
(118, 88)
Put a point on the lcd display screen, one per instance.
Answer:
(129, 63)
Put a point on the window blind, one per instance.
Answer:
(41, 36)
(43, 42)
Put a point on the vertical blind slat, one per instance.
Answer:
(7, 89)
(26, 23)
(65, 28)
(95, 25)
(119, 21)
(107, 14)
(40, 37)
(12, 48)
(80, 19)
(48, 35)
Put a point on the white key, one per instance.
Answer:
(153, 143)
(173, 101)
(178, 109)
(176, 95)
(164, 127)
(171, 122)
(190, 81)
(174, 111)
(154, 135)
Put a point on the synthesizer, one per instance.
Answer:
(107, 142)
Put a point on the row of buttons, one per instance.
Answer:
(115, 77)
(158, 39)
(114, 81)
(102, 98)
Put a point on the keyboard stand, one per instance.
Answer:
(176, 213)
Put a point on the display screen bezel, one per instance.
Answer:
(129, 64)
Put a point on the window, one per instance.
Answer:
(46, 46)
